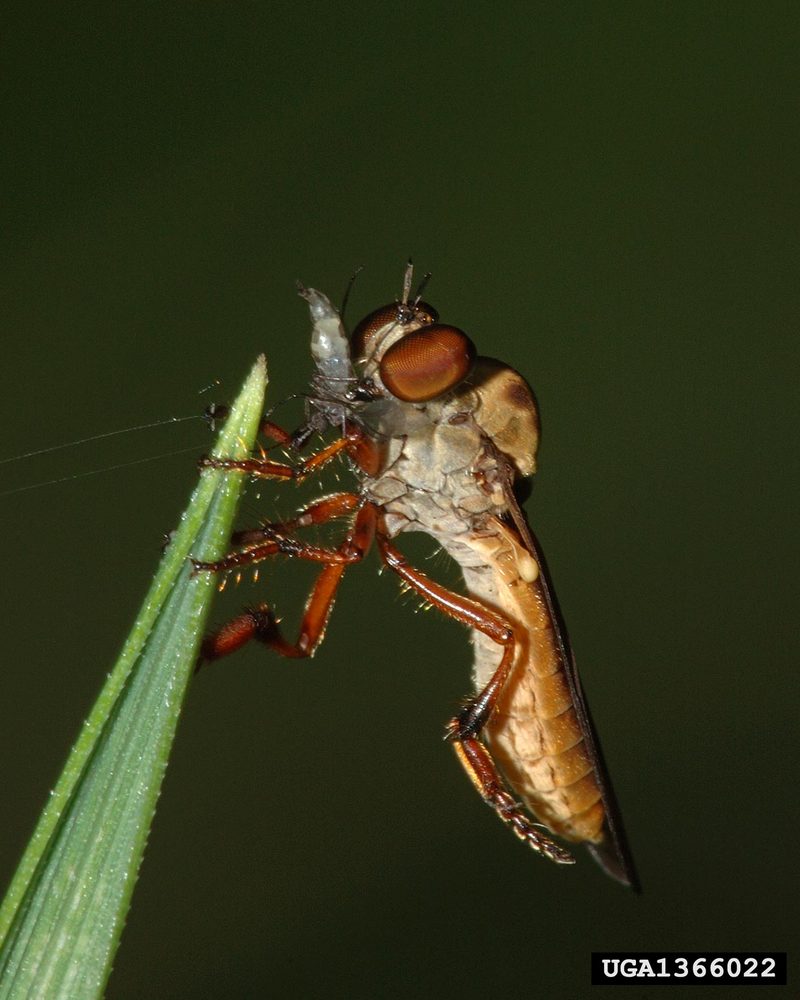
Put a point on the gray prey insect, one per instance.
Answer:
(438, 437)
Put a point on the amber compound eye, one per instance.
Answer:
(362, 337)
(427, 363)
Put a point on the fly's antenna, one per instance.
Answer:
(421, 288)
(350, 283)
(408, 277)
(404, 311)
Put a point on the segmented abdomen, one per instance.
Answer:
(534, 734)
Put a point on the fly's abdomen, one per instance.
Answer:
(537, 741)
(535, 734)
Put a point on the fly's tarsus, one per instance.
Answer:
(512, 813)
(265, 468)
(482, 771)
(259, 467)
(530, 834)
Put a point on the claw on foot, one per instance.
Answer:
(529, 832)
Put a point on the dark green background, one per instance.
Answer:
(607, 198)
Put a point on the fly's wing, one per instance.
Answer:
(613, 854)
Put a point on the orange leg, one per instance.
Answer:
(320, 512)
(284, 545)
(268, 429)
(219, 413)
(464, 730)
(260, 622)
(265, 468)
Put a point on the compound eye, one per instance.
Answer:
(361, 338)
(427, 363)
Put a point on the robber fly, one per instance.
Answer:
(438, 437)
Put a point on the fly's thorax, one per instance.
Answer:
(443, 478)
(506, 411)
(494, 397)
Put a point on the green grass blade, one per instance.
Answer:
(63, 914)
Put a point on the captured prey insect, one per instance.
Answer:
(438, 437)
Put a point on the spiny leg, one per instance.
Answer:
(464, 730)
(260, 622)
(265, 468)
(319, 512)
(482, 771)
(285, 545)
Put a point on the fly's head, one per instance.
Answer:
(399, 358)
(398, 353)
(403, 353)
